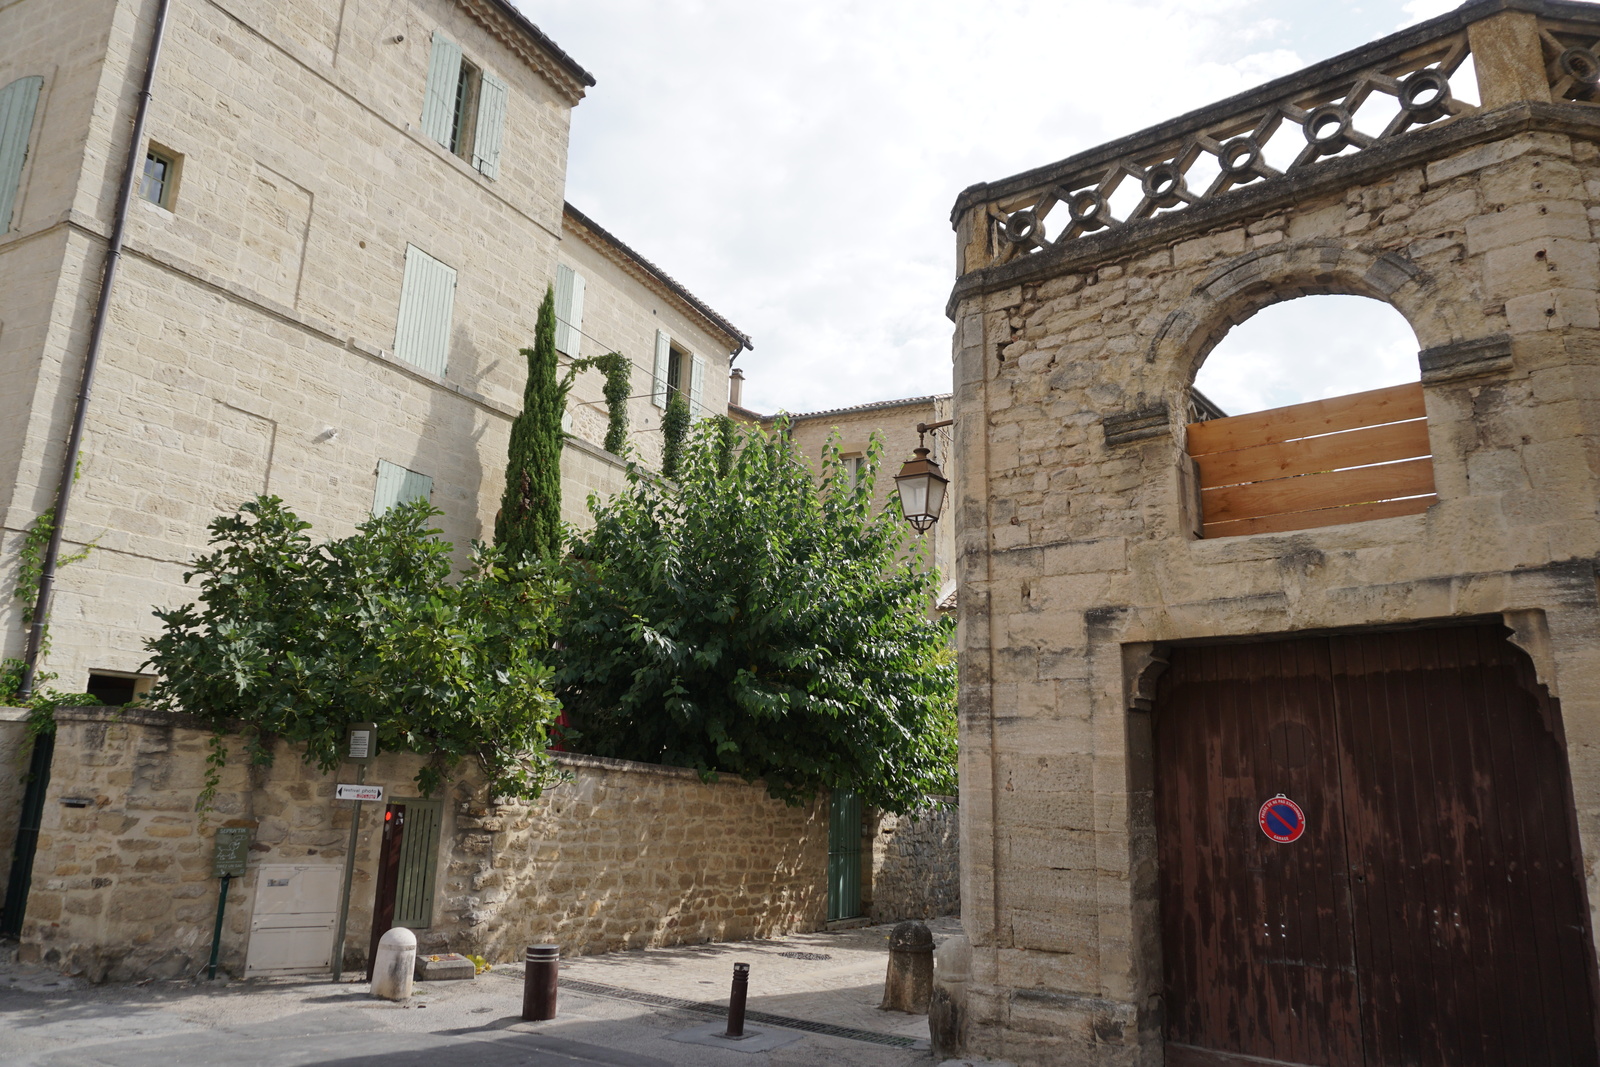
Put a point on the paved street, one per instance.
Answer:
(813, 1000)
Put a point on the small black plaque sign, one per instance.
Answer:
(233, 846)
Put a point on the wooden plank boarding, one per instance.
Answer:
(1397, 403)
(1310, 520)
(1362, 485)
(1286, 459)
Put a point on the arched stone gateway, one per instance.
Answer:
(1383, 606)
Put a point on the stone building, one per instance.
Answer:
(346, 218)
(1279, 732)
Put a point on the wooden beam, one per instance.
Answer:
(1397, 403)
(1335, 451)
(1281, 496)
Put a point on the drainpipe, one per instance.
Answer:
(69, 464)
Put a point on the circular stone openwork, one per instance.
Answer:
(1328, 129)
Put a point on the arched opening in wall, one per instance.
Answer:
(1309, 414)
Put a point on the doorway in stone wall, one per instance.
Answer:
(1368, 856)
(407, 861)
(844, 855)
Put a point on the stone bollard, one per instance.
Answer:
(947, 1010)
(395, 964)
(910, 979)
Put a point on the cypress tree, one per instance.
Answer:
(529, 524)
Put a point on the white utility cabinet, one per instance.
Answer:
(296, 910)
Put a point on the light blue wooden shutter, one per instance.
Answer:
(396, 485)
(697, 383)
(491, 125)
(444, 80)
(569, 310)
(427, 299)
(17, 104)
(658, 386)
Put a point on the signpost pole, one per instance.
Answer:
(349, 873)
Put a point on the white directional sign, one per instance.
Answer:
(358, 792)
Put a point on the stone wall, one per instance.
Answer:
(912, 868)
(622, 855)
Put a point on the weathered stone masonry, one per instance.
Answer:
(1073, 360)
(622, 855)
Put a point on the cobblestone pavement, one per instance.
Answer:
(635, 1009)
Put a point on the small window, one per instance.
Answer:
(116, 688)
(855, 466)
(396, 485)
(569, 311)
(159, 185)
(676, 361)
(464, 107)
(427, 305)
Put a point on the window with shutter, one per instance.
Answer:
(444, 82)
(569, 311)
(697, 383)
(658, 385)
(464, 107)
(18, 101)
(397, 485)
(427, 301)
(491, 122)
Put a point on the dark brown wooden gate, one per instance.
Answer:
(1432, 915)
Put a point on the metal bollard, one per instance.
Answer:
(539, 982)
(741, 989)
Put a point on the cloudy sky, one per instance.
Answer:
(793, 162)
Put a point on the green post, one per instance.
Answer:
(216, 931)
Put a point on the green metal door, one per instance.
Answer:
(844, 856)
(419, 853)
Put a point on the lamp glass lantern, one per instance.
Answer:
(922, 487)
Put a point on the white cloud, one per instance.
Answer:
(794, 163)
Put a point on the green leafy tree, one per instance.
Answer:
(296, 640)
(747, 621)
(529, 524)
(675, 422)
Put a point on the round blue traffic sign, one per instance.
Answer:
(1282, 820)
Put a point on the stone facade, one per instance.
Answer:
(251, 337)
(622, 855)
(1074, 519)
(911, 868)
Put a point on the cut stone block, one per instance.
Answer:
(444, 967)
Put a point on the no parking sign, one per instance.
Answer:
(1282, 820)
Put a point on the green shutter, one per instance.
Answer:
(17, 104)
(844, 855)
(427, 298)
(697, 384)
(396, 485)
(569, 310)
(491, 125)
(439, 100)
(658, 386)
(419, 853)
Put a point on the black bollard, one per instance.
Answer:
(539, 982)
(741, 989)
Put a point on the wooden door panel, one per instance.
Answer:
(1432, 915)
(1472, 922)
(1267, 969)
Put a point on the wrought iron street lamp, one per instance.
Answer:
(921, 483)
